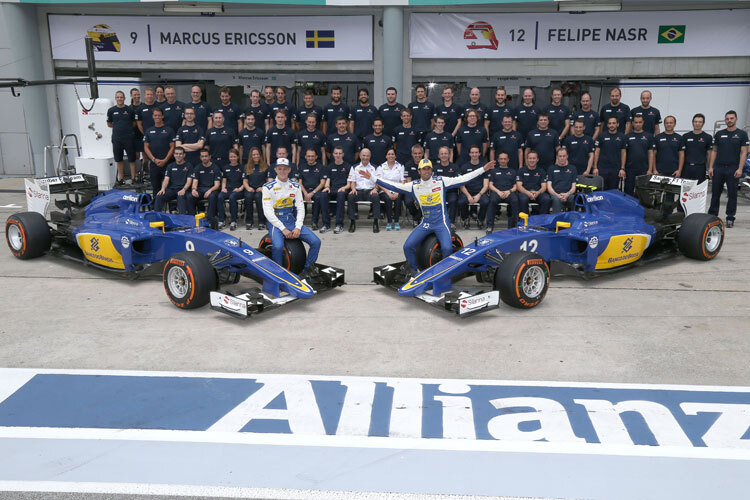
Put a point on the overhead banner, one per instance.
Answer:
(706, 33)
(235, 39)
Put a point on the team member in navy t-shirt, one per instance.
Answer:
(282, 103)
(561, 183)
(471, 134)
(390, 112)
(220, 140)
(158, 146)
(230, 111)
(669, 152)
(191, 137)
(544, 141)
(173, 109)
(451, 111)
(337, 185)
(280, 136)
(144, 112)
(311, 138)
(202, 109)
(527, 114)
(363, 114)
(726, 165)
(610, 155)
(312, 180)
(493, 117)
(232, 189)
(334, 110)
(436, 139)
(590, 117)
(176, 183)
(121, 119)
(697, 145)
(580, 148)
(308, 109)
(206, 186)
(250, 137)
(503, 189)
(474, 191)
(256, 174)
(348, 142)
(378, 143)
(531, 185)
(640, 150)
(617, 109)
(422, 110)
(475, 104)
(508, 141)
(559, 114)
(258, 110)
(651, 115)
(405, 137)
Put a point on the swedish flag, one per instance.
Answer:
(320, 39)
(672, 34)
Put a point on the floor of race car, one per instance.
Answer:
(372, 389)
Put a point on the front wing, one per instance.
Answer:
(245, 303)
(464, 301)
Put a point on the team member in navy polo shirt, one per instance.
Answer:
(474, 191)
(337, 185)
(617, 109)
(508, 141)
(450, 111)
(390, 112)
(610, 155)
(444, 167)
(411, 171)
(422, 110)
(312, 180)
(670, 155)
(121, 119)
(377, 142)
(493, 117)
(158, 146)
(308, 108)
(230, 111)
(334, 110)
(697, 145)
(258, 110)
(143, 113)
(232, 189)
(531, 185)
(160, 98)
(202, 109)
(503, 189)
(256, 174)
(580, 148)
(220, 140)
(651, 115)
(590, 117)
(639, 154)
(280, 135)
(363, 114)
(477, 105)
(438, 138)
(726, 164)
(561, 183)
(191, 137)
(206, 186)
(173, 109)
(471, 134)
(559, 114)
(348, 141)
(176, 183)
(269, 99)
(405, 137)
(282, 104)
(527, 114)
(250, 137)
(544, 141)
(311, 138)
(135, 101)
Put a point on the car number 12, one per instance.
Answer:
(529, 246)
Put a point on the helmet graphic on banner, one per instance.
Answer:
(484, 30)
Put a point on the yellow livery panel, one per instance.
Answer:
(623, 249)
(98, 248)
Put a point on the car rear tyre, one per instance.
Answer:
(27, 235)
(189, 278)
(701, 236)
(429, 252)
(294, 255)
(522, 279)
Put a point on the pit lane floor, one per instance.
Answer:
(678, 322)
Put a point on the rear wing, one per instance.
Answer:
(665, 193)
(77, 188)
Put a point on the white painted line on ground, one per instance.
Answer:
(229, 492)
(332, 441)
(343, 378)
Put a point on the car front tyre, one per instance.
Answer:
(522, 279)
(189, 278)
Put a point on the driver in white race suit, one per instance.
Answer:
(429, 191)
(284, 208)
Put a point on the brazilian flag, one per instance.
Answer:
(672, 34)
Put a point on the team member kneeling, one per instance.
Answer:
(429, 192)
(284, 208)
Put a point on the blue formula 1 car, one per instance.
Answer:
(116, 231)
(606, 231)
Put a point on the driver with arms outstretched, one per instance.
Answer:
(429, 191)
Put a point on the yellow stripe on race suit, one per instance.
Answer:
(283, 203)
(430, 200)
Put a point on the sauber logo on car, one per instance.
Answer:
(484, 30)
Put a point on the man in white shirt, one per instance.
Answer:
(363, 189)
